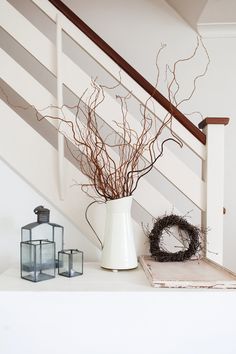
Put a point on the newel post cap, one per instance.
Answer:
(208, 120)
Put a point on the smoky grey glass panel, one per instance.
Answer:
(70, 263)
(37, 260)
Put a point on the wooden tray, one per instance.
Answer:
(189, 274)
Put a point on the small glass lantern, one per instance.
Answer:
(44, 230)
(37, 260)
(70, 263)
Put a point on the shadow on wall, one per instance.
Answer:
(190, 11)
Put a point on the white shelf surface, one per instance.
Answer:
(95, 279)
(103, 312)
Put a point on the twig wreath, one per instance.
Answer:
(164, 224)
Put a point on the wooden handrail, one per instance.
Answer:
(150, 89)
(211, 120)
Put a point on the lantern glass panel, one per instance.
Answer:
(25, 234)
(70, 263)
(42, 232)
(37, 260)
(27, 259)
(58, 237)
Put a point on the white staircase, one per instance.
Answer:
(36, 159)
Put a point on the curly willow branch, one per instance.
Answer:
(115, 162)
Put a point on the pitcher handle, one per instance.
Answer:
(89, 223)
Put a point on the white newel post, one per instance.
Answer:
(213, 175)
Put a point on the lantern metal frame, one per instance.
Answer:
(33, 266)
(30, 227)
(70, 254)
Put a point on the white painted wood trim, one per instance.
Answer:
(59, 68)
(213, 174)
(38, 95)
(25, 30)
(217, 30)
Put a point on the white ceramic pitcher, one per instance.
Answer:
(118, 248)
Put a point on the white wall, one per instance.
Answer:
(18, 200)
(136, 28)
(219, 11)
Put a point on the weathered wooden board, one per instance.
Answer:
(190, 274)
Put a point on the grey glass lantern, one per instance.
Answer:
(42, 229)
(37, 260)
(70, 263)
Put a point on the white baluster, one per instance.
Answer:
(61, 177)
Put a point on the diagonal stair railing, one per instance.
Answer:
(150, 89)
